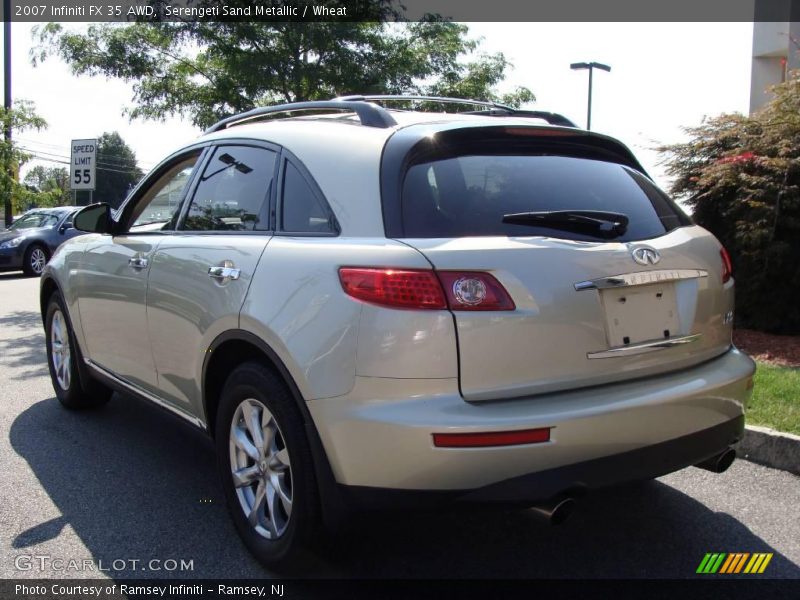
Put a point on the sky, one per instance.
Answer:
(664, 76)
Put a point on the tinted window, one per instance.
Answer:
(302, 210)
(468, 195)
(159, 205)
(233, 190)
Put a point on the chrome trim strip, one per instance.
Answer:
(640, 278)
(147, 395)
(644, 347)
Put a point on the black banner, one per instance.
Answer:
(400, 10)
(292, 589)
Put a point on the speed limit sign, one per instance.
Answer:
(82, 165)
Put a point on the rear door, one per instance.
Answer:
(200, 275)
(592, 307)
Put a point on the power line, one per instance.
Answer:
(66, 162)
(57, 158)
(64, 153)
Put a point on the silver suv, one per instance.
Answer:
(370, 307)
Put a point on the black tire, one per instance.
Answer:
(250, 382)
(73, 390)
(29, 265)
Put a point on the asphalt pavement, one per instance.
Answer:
(119, 488)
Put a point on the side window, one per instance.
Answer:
(159, 205)
(302, 210)
(233, 191)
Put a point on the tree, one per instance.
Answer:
(116, 169)
(212, 69)
(21, 117)
(54, 180)
(741, 175)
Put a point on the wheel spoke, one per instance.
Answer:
(245, 476)
(244, 444)
(272, 506)
(258, 505)
(279, 483)
(252, 419)
(279, 461)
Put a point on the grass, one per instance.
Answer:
(776, 398)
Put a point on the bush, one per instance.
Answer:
(741, 176)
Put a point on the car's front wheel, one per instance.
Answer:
(34, 261)
(266, 466)
(62, 359)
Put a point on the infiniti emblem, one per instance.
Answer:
(645, 255)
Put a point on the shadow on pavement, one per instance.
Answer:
(28, 352)
(133, 483)
(13, 275)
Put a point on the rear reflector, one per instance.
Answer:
(397, 288)
(494, 438)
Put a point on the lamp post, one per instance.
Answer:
(591, 66)
(7, 211)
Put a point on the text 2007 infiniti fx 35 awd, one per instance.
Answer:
(367, 306)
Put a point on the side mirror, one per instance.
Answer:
(95, 218)
(64, 228)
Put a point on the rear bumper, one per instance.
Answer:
(380, 435)
(575, 479)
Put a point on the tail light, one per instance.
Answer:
(469, 290)
(727, 268)
(394, 287)
(422, 289)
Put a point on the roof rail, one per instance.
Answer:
(370, 115)
(439, 99)
(494, 109)
(551, 117)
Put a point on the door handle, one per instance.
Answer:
(138, 262)
(224, 273)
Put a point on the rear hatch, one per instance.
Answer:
(616, 284)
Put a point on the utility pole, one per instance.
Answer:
(591, 66)
(7, 213)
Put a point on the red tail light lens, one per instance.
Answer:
(727, 268)
(474, 290)
(394, 287)
(420, 289)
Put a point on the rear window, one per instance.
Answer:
(469, 195)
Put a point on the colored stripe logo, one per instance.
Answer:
(734, 563)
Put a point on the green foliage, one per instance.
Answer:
(741, 176)
(116, 169)
(21, 117)
(46, 186)
(775, 398)
(208, 70)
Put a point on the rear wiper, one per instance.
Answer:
(593, 222)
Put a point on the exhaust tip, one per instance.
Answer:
(725, 460)
(556, 513)
(562, 511)
(720, 462)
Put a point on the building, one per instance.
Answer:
(776, 52)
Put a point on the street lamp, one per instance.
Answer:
(591, 66)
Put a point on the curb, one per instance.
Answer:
(770, 448)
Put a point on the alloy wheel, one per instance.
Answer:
(261, 470)
(59, 350)
(38, 260)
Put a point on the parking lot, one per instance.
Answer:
(125, 484)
